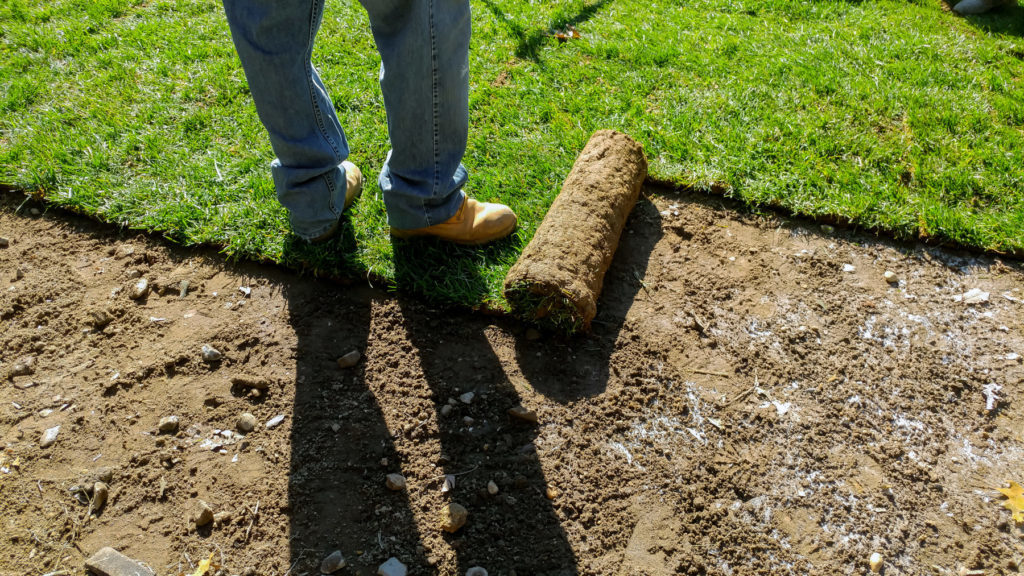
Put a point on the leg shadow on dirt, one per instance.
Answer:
(341, 446)
(566, 369)
(512, 526)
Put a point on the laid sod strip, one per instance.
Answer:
(894, 115)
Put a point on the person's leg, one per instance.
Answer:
(274, 39)
(424, 48)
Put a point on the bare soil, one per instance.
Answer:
(743, 406)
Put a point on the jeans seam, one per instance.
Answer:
(309, 80)
(436, 112)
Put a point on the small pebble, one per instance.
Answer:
(891, 277)
(468, 420)
(521, 413)
(4, 242)
(211, 354)
(446, 410)
(849, 268)
(551, 493)
(246, 423)
(168, 425)
(453, 517)
(203, 514)
(349, 360)
(467, 398)
(392, 568)
(492, 488)
(140, 290)
(24, 366)
(332, 563)
(395, 482)
(100, 493)
(275, 421)
(49, 437)
(875, 562)
(476, 571)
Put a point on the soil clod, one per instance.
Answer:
(203, 514)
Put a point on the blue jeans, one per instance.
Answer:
(424, 48)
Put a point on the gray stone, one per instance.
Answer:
(168, 425)
(246, 423)
(211, 354)
(349, 360)
(467, 398)
(140, 290)
(332, 563)
(476, 571)
(49, 437)
(395, 482)
(110, 562)
(392, 568)
(203, 514)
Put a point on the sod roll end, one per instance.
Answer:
(558, 277)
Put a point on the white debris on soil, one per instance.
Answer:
(972, 296)
(991, 398)
(849, 268)
(275, 422)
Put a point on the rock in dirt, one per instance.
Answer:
(395, 482)
(492, 488)
(49, 437)
(24, 366)
(275, 422)
(99, 319)
(168, 425)
(349, 360)
(110, 562)
(100, 493)
(211, 354)
(446, 410)
(246, 423)
(247, 381)
(392, 568)
(140, 290)
(4, 242)
(203, 514)
(467, 398)
(891, 277)
(521, 413)
(849, 268)
(453, 517)
(476, 571)
(875, 562)
(332, 563)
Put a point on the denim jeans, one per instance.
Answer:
(424, 48)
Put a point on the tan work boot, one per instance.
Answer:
(353, 188)
(475, 223)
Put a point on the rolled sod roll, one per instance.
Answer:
(558, 277)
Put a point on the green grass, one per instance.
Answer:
(893, 115)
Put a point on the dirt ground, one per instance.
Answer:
(755, 398)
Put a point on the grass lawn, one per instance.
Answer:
(895, 115)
